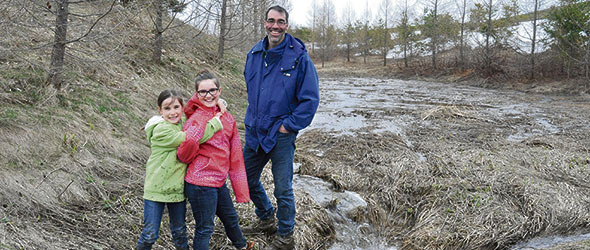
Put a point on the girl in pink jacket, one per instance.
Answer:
(209, 165)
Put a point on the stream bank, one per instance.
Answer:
(451, 166)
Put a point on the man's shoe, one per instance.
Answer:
(268, 226)
(282, 243)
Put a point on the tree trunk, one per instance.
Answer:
(384, 53)
(366, 33)
(462, 46)
(385, 34)
(488, 60)
(323, 56)
(313, 26)
(405, 53)
(222, 31)
(534, 40)
(366, 44)
(587, 64)
(59, 46)
(347, 52)
(157, 49)
(434, 35)
(405, 32)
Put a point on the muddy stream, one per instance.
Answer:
(352, 105)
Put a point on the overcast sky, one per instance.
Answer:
(301, 9)
(300, 13)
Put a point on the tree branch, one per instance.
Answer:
(94, 24)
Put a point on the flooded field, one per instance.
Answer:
(448, 166)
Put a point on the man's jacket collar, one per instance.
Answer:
(291, 51)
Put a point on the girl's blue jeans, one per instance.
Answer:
(152, 217)
(206, 202)
(281, 157)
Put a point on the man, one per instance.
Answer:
(283, 96)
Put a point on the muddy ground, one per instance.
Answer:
(449, 166)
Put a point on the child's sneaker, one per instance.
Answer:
(249, 246)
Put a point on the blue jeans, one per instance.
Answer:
(281, 157)
(206, 202)
(152, 217)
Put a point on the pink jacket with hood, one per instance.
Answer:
(210, 163)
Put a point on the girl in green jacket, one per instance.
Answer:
(164, 177)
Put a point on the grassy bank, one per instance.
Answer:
(72, 161)
(461, 183)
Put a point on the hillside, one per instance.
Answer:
(72, 160)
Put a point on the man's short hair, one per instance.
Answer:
(279, 9)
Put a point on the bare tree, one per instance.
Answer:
(59, 46)
(222, 30)
(348, 29)
(60, 39)
(433, 40)
(481, 18)
(255, 27)
(385, 16)
(405, 32)
(256, 21)
(463, 11)
(243, 22)
(534, 38)
(326, 20)
(488, 58)
(161, 8)
(157, 47)
(235, 27)
(365, 32)
(313, 18)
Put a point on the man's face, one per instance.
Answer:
(276, 25)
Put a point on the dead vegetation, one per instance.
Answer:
(72, 160)
(550, 77)
(455, 181)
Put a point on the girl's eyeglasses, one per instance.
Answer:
(204, 92)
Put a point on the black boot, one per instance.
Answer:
(261, 226)
(282, 243)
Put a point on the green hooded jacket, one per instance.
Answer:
(164, 173)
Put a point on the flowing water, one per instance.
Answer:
(351, 105)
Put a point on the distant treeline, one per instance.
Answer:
(468, 35)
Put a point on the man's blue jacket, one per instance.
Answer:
(283, 89)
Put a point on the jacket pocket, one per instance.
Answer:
(289, 89)
(249, 77)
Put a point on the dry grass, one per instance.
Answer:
(513, 72)
(475, 190)
(72, 160)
